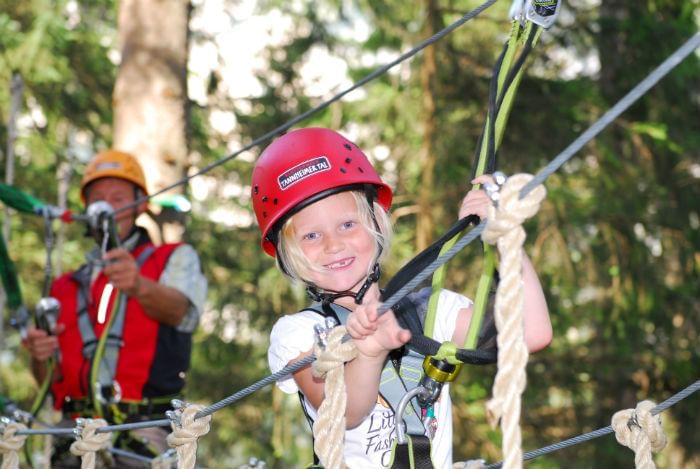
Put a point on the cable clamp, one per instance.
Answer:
(321, 332)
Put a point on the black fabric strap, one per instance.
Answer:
(415, 454)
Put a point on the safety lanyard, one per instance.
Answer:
(503, 88)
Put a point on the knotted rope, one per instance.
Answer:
(640, 431)
(504, 229)
(10, 444)
(88, 441)
(329, 427)
(186, 431)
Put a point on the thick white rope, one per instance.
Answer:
(11, 444)
(329, 427)
(186, 431)
(640, 431)
(89, 442)
(504, 229)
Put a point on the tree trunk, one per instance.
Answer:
(150, 96)
(425, 221)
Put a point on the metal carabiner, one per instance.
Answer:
(542, 12)
(419, 391)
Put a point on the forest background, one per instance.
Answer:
(616, 243)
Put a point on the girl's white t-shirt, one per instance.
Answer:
(369, 444)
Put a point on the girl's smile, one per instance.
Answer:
(334, 241)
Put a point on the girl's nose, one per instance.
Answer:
(334, 244)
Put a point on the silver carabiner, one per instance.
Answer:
(542, 12)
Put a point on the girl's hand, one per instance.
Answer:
(476, 202)
(375, 336)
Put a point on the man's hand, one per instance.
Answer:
(40, 344)
(122, 271)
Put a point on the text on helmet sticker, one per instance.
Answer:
(302, 171)
(108, 165)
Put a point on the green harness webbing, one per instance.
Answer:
(413, 453)
(493, 135)
(25, 203)
(10, 281)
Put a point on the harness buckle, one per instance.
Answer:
(109, 394)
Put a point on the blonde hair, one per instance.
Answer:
(292, 261)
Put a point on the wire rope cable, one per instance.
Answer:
(303, 116)
(603, 431)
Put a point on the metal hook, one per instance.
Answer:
(174, 417)
(80, 424)
(321, 332)
(401, 408)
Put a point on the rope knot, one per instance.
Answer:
(332, 352)
(186, 431)
(88, 441)
(11, 443)
(512, 211)
(640, 431)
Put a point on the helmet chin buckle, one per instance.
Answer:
(322, 297)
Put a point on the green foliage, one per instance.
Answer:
(616, 242)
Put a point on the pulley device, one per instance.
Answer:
(102, 225)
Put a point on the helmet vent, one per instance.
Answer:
(264, 198)
(343, 170)
(347, 146)
(256, 189)
(275, 200)
(359, 168)
(348, 160)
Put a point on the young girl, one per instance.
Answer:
(322, 210)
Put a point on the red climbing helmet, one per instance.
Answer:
(304, 166)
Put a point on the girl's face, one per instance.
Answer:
(335, 242)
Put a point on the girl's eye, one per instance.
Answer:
(310, 236)
(348, 224)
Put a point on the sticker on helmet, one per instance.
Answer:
(108, 165)
(302, 171)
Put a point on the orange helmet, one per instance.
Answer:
(302, 167)
(116, 164)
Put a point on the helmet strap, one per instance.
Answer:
(325, 298)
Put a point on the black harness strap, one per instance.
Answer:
(415, 454)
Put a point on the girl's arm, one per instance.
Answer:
(537, 326)
(374, 337)
(362, 384)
